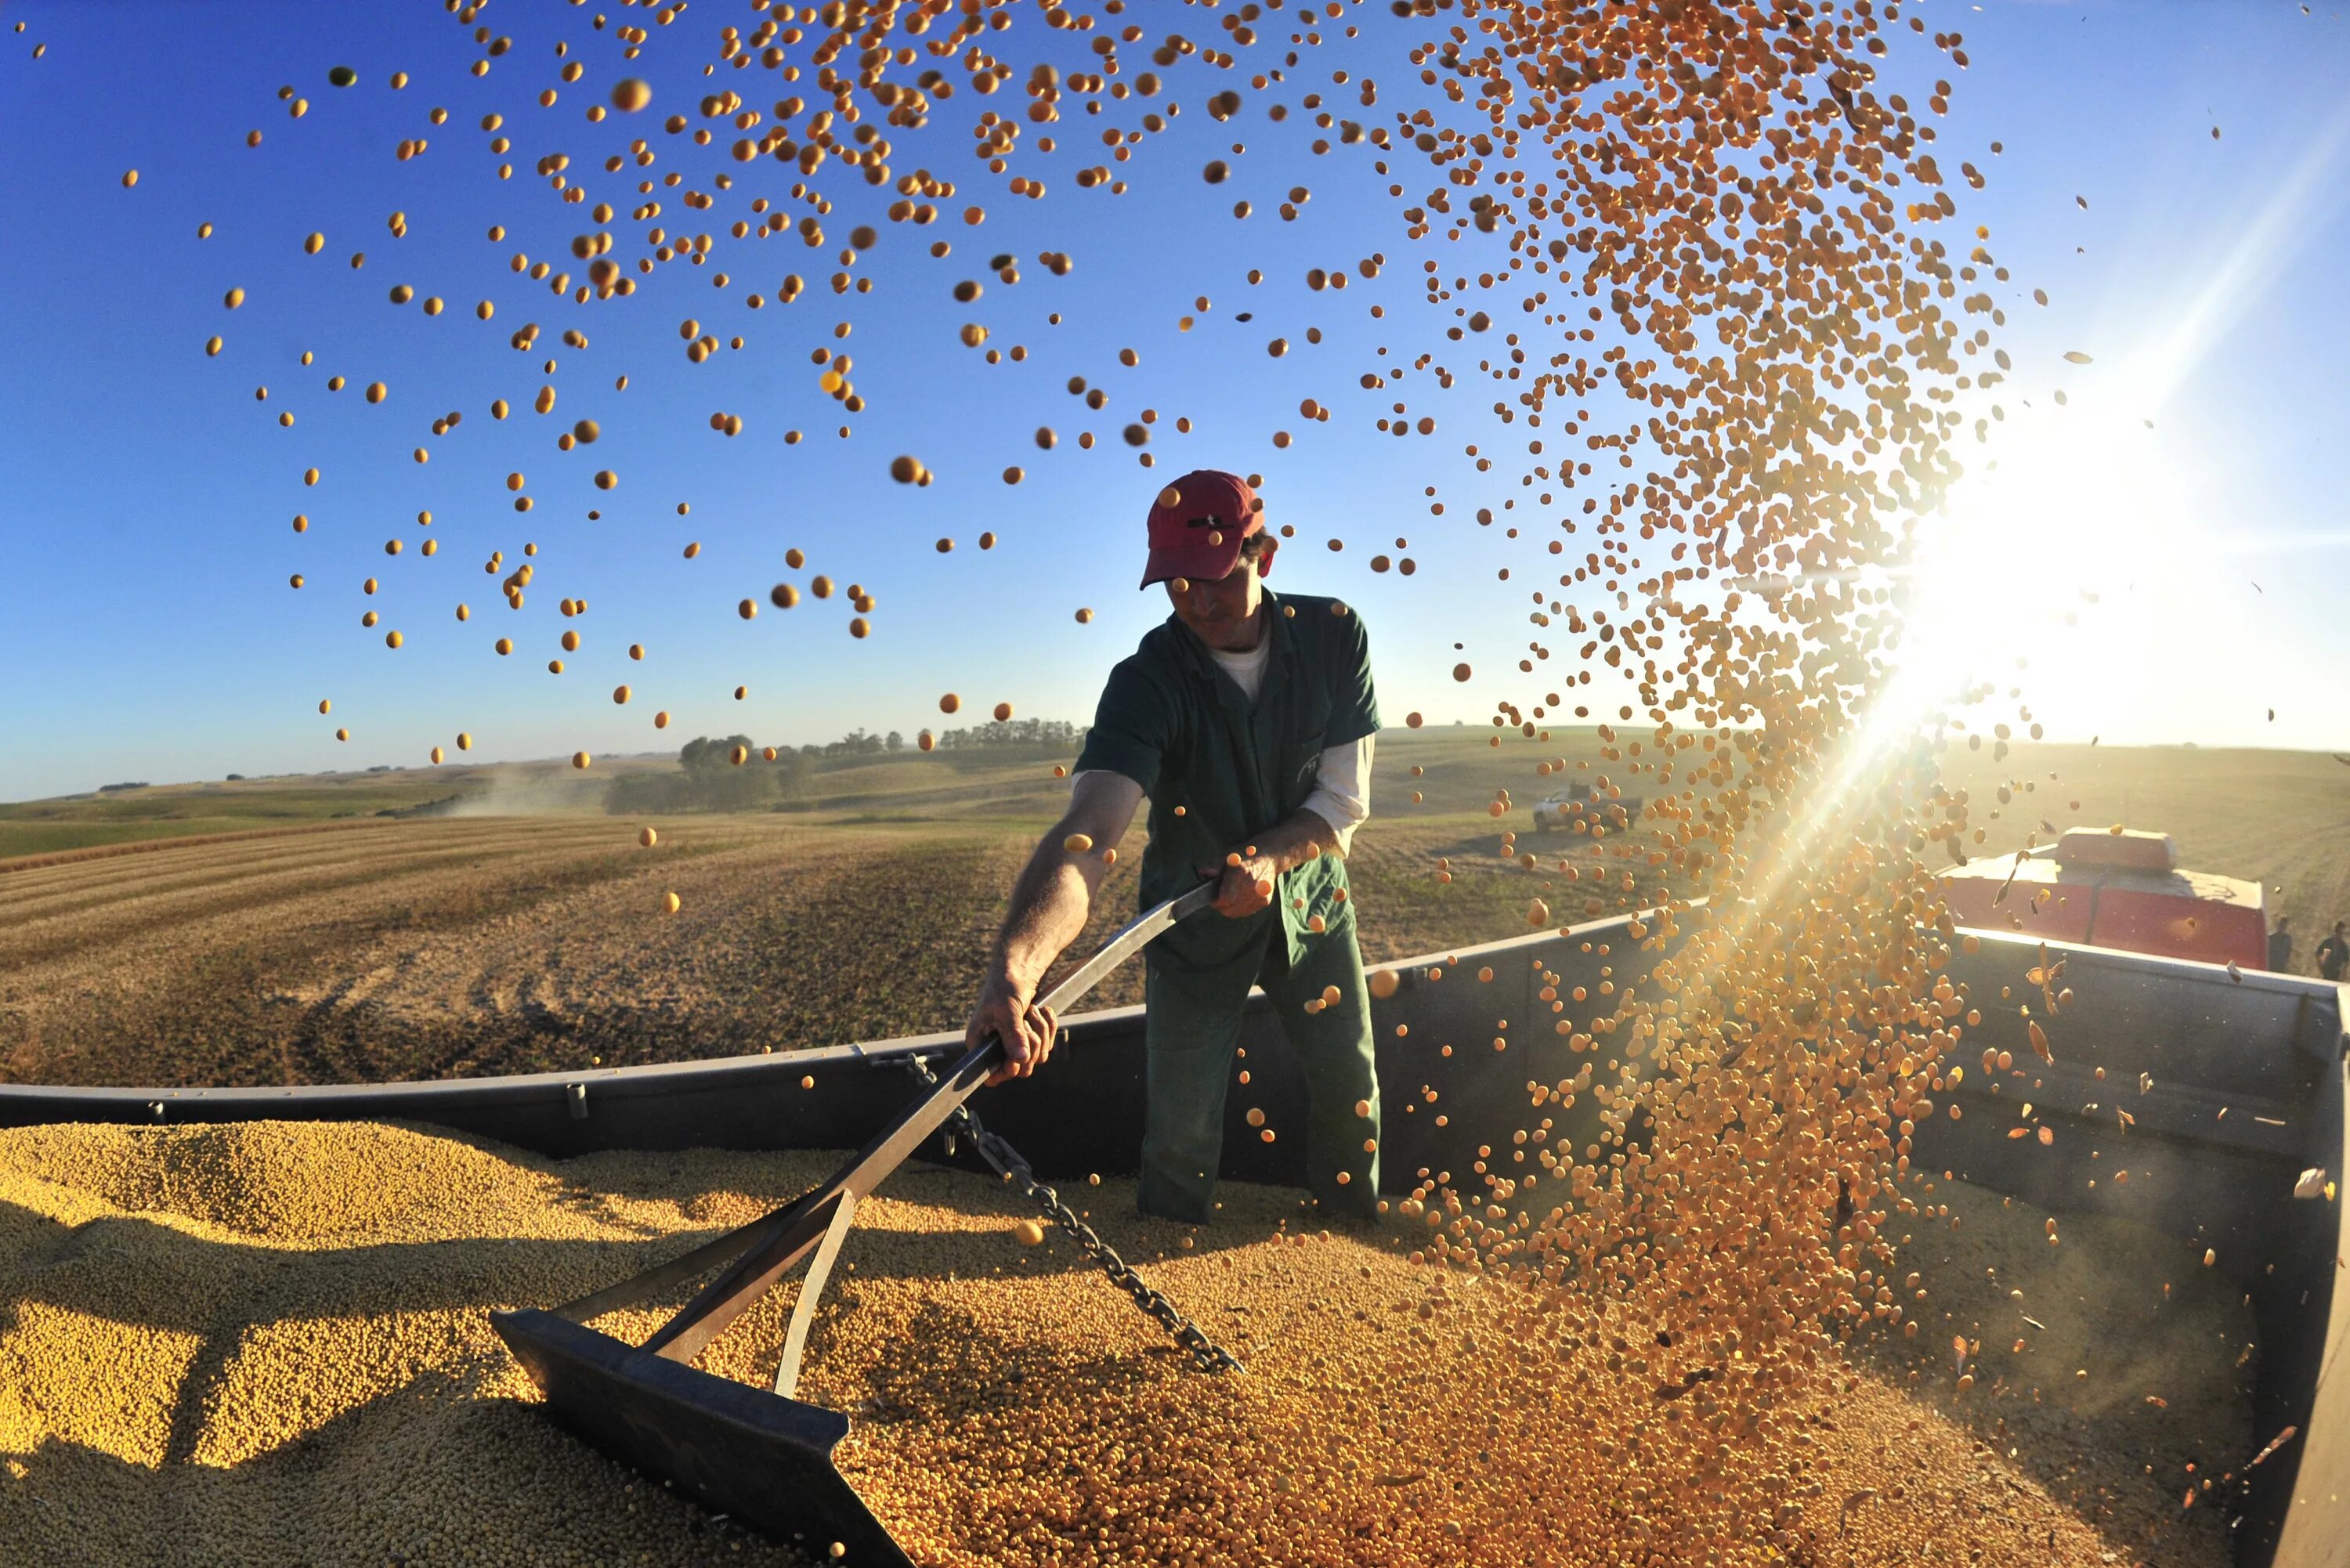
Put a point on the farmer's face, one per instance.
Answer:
(1223, 613)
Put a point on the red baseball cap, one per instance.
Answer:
(1197, 524)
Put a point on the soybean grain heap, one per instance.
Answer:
(1741, 350)
(266, 1344)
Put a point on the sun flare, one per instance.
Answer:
(2040, 563)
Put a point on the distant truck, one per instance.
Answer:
(2112, 889)
(1583, 802)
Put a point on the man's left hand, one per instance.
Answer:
(1247, 886)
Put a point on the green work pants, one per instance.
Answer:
(1190, 1035)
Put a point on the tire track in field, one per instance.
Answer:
(594, 973)
(218, 998)
(849, 939)
(546, 950)
(212, 1011)
(40, 860)
(209, 885)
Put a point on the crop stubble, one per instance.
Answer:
(425, 949)
(432, 949)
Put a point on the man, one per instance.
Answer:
(2280, 946)
(2334, 954)
(1247, 719)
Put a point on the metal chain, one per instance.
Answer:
(1208, 1355)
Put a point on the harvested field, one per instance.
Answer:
(444, 947)
(268, 1342)
(434, 947)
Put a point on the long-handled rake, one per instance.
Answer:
(765, 1458)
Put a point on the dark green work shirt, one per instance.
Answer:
(1175, 723)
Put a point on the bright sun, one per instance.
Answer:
(2040, 573)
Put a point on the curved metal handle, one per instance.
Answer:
(763, 1251)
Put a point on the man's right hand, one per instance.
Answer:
(1010, 1011)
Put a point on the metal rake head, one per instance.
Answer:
(741, 1451)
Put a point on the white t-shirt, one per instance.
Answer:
(1247, 669)
(1342, 778)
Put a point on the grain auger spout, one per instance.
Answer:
(762, 1458)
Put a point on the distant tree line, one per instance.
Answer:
(857, 743)
(1032, 734)
(709, 779)
(110, 789)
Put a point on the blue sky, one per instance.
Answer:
(146, 497)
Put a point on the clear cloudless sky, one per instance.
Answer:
(147, 629)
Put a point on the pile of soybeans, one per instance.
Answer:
(270, 1343)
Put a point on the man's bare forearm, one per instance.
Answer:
(1055, 890)
(1049, 906)
(1054, 895)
